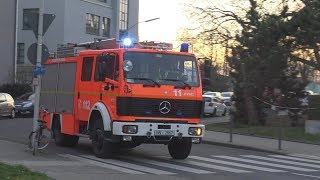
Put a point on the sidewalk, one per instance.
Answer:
(260, 144)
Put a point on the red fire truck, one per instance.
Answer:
(122, 96)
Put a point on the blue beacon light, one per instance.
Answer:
(127, 42)
(184, 47)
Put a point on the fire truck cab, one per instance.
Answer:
(121, 97)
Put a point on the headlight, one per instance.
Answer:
(130, 129)
(27, 105)
(195, 131)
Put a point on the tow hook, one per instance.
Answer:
(180, 135)
(149, 134)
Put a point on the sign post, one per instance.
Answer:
(38, 76)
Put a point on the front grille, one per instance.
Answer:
(147, 107)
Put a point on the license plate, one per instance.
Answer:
(163, 133)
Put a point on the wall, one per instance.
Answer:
(7, 40)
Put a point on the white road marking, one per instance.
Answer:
(267, 164)
(211, 166)
(235, 164)
(131, 166)
(296, 158)
(104, 165)
(283, 161)
(172, 166)
(307, 175)
(306, 156)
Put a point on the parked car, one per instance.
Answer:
(213, 106)
(7, 107)
(227, 97)
(214, 94)
(25, 104)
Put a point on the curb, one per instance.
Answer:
(230, 145)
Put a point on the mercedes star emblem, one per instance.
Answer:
(164, 107)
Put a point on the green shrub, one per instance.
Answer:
(314, 102)
(15, 90)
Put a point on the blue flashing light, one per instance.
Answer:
(148, 112)
(184, 47)
(127, 42)
(179, 113)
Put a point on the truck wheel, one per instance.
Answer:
(101, 147)
(180, 148)
(63, 139)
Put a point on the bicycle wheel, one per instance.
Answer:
(44, 139)
(43, 142)
(30, 141)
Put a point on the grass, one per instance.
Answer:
(289, 133)
(19, 173)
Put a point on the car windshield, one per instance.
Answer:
(226, 94)
(24, 97)
(170, 69)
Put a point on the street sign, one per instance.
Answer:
(32, 53)
(39, 70)
(31, 22)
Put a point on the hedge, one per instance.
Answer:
(15, 90)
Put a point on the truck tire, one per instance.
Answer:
(101, 147)
(180, 148)
(63, 139)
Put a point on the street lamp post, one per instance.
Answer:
(149, 20)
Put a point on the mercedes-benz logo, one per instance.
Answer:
(164, 107)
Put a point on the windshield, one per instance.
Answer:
(226, 94)
(168, 69)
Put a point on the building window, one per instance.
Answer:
(92, 24)
(123, 16)
(106, 27)
(30, 16)
(20, 53)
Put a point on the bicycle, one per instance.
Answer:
(41, 138)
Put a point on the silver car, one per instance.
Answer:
(7, 105)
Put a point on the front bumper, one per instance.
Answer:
(146, 129)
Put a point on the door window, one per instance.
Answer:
(107, 67)
(87, 68)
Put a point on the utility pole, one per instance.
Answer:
(38, 76)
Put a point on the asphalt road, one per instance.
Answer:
(206, 162)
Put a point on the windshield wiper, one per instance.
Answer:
(147, 79)
(177, 80)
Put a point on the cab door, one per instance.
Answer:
(86, 93)
(107, 72)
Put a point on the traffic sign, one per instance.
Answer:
(39, 70)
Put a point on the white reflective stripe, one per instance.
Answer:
(235, 164)
(306, 156)
(267, 164)
(211, 166)
(100, 164)
(172, 166)
(283, 161)
(131, 166)
(306, 175)
(296, 158)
